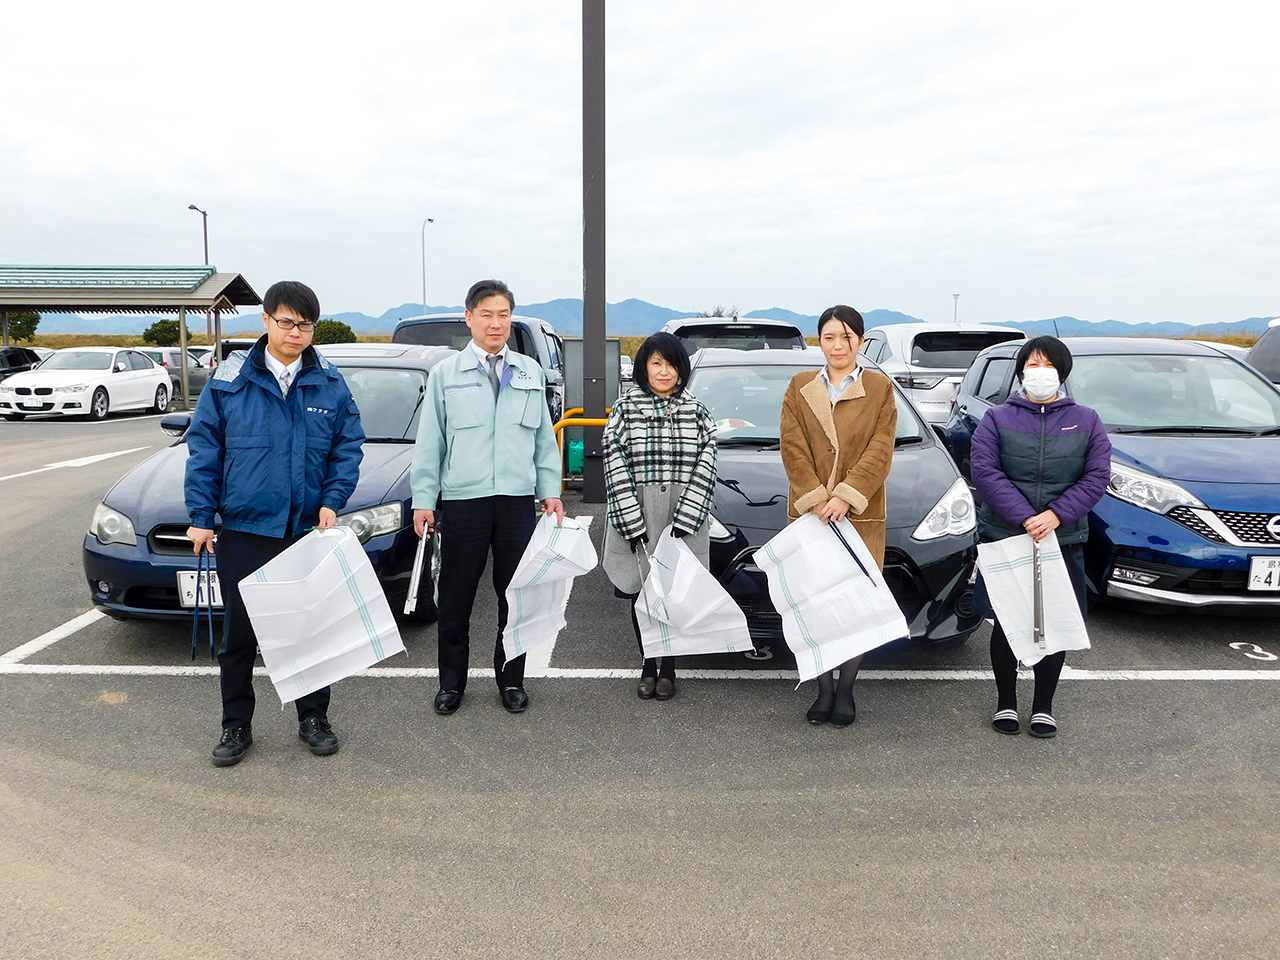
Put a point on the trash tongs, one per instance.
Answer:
(1037, 596)
(415, 579)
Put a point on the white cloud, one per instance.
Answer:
(1091, 160)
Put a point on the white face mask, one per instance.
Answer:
(1040, 383)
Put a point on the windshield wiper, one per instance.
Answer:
(388, 440)
(765, 443)
(1191, 428)
(733, 485)
(903, 441)
(1267, 432)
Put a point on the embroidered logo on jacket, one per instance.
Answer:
(1065, 429)
(318, 410)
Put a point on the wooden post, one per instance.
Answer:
(182, 343)
(4, 325)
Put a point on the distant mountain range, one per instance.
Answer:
(638, 318)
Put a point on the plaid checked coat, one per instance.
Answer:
(660, 469)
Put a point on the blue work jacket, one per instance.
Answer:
(267, 463)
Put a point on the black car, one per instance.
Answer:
(1191, 517)
(1264, 356)
(16, 360)
(529, 335)
(931, 543)
(171, 359)
(137, 557)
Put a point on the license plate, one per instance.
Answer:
(1264, 573)
(33, 404)
(187, 589)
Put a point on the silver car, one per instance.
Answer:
(929, 360)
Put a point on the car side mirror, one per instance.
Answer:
(941, 431)
(121, 367)
(555, 378)
(175, 424)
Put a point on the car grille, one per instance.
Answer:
(43, 391)
(169, 540)
(153, 598)
(1247, 528)
(1195, 580)
(22, 391)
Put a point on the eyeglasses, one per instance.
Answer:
(306, 326)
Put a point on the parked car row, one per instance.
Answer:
(87, 381)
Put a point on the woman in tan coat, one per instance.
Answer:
(837, 434)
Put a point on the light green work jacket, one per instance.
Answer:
(469, 446)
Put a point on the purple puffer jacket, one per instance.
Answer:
(1028, 457)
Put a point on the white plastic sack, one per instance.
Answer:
(683, 609)
(830, 592)
(319, 613)
(539, 589)
(1006, 570)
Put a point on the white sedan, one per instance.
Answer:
(87, 381)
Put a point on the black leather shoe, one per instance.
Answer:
(231, 748)
(318, 735)
(448, 701)
(514, 700)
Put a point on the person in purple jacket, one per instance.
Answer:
(1040, 462)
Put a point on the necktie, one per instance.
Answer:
(494, 379)
(284, 383)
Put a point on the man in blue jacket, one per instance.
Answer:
(274, 448)
(486, 448)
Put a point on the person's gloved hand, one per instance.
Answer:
(636, 541)
(678, 533)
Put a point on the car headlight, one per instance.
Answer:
(373, 522)
(5, 389)
(950, 516)
(112, 526)
(76, 388)
(1147, 491)
(717, 530)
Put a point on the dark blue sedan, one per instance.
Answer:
(1191, 517)
(139, 562)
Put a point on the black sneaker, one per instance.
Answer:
(319, 736)
(231, 748)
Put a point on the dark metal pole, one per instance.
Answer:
(593, 239)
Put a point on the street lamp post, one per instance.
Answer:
(208, 317)
(424, 264)
(956, 312)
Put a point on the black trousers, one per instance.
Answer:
(470, 529)
(238, 555)
(1047, 671)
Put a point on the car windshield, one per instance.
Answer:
(78, 360)
(388, 399)
(441, 333)
(1265, 354)
(955, 349)
(1169, 394)
(740, 336)
(746, 402)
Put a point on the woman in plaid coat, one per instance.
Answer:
(660, 470)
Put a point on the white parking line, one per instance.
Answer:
(78, 462)
(18, 654)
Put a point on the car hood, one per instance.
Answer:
(54, 378)
(1219, 459)
(151, 493)
(921, 475)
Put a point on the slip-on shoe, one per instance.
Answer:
(514, 700)
(231, 748)
(448, 701)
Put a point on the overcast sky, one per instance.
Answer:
(1103, 160)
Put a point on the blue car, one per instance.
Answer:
(138, 560)
(1191, 517)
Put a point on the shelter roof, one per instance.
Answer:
(129, 289)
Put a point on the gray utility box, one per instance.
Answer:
(573, 384)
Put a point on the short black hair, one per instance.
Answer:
(1054, 350)
(667, 346)
(298, 297)
(483, 289)
(850, 317)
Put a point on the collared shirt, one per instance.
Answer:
(279, 369)
(483, 355)
(834, 390)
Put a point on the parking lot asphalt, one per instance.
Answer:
(717, 825)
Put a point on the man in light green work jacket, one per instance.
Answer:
(486, 450)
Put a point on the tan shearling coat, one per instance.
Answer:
(842, 451)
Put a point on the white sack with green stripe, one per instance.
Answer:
(319, 613)
(830, 593)
(683, 609)
(1007, 571)
(539, 589)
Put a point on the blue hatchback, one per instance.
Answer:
(1191, 517)
(139, 562)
